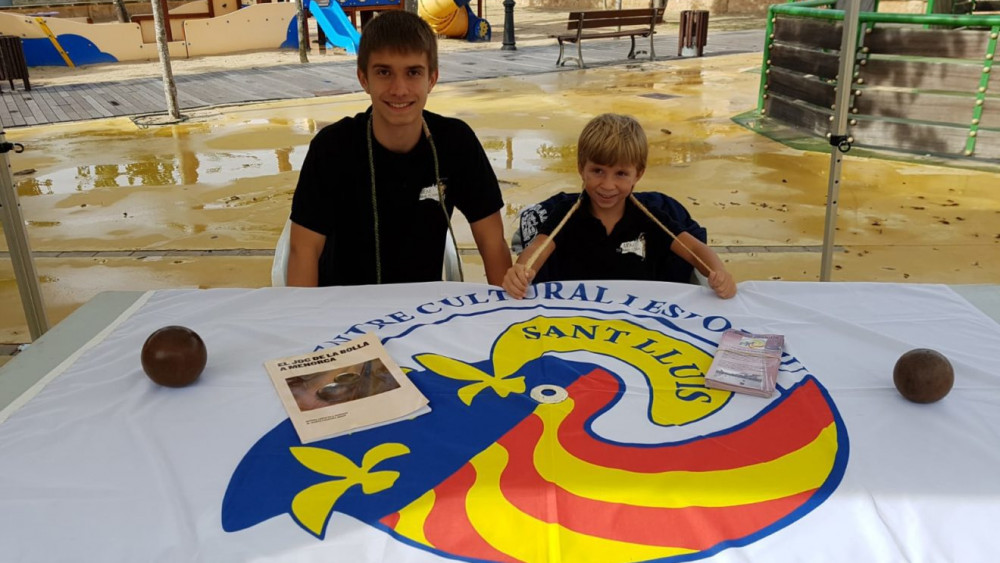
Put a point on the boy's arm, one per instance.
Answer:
(519, 276)
(720, 280)
(488, 234)
(303, 257)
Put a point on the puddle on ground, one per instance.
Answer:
(174, 155)
(224, 178)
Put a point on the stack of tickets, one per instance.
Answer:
(746, 363)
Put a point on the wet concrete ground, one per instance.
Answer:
(200, 204)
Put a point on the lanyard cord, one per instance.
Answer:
(444, 208)
(371, 169)
(440, 190)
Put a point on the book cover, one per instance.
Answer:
(339, 390)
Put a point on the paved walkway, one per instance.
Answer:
(76, 102)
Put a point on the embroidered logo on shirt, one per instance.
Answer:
(430, 192)
(531, 219)
(637, 247)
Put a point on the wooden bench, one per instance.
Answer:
(12, 62)
(631, 23)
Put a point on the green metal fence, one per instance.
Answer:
(921, 82)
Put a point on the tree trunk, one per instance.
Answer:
(120, 11)
(303, 31)
(169, 86)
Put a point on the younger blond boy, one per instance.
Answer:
(611, 234)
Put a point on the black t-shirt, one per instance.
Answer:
(334, 198)
(636, 249)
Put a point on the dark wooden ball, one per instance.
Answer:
(174, 356)
(923, 375)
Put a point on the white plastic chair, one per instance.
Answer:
(452, 270)
(279, 267)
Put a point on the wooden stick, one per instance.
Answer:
(666, 230)
(545, 244)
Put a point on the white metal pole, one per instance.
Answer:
(17, 244)
(839, 141)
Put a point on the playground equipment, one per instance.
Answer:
(214, 27)
(197, 28)
(334, 27)
(455, 18)
(921, 82)
(446, 17)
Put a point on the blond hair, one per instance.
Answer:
(611, 139)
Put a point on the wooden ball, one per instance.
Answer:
(923, 375)
(174, 356)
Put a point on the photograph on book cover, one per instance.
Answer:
(344, 389)
(330, 387)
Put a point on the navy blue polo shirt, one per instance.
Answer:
(636, 249)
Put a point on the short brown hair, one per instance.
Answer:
(611, 139)
(399, 31)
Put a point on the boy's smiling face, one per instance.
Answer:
(398, 84)
(609, 186)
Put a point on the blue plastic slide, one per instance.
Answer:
(339, 30)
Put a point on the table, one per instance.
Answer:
(63, 340)
(638, 463)
(84, 324)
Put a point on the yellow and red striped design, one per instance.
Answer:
(550, 491)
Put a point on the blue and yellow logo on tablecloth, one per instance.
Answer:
(494, 474)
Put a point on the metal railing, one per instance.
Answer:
(920, 82)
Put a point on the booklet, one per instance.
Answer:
(339, 390)
(746, 363)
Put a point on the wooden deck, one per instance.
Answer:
(78, 102)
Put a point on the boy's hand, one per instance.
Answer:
(516, 280)
(722, 283)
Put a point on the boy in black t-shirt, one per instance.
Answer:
(607, 233)
(376, 191)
